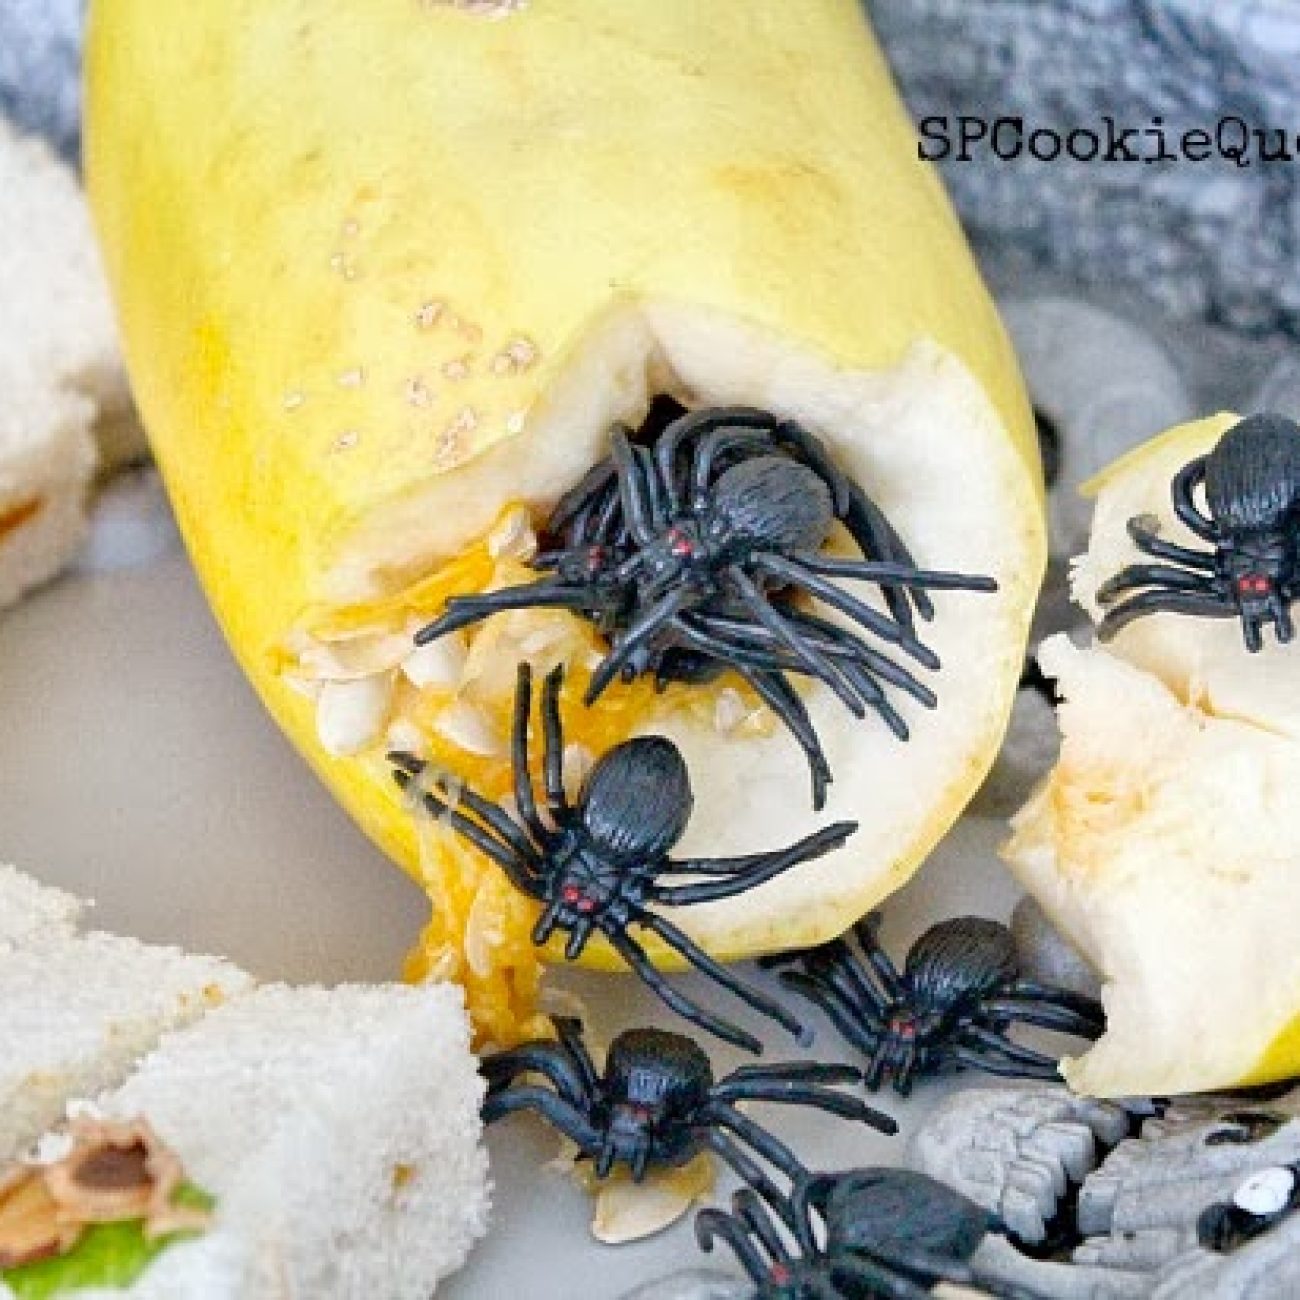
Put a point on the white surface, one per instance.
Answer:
(137, 767)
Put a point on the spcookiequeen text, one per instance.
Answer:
(965, 137)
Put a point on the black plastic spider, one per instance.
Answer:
(657, 1104)
(597, 865)
(951, 1005)
(868, 1233)
(1252, 520)
(690, 557)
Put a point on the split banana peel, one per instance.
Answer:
(388, 272)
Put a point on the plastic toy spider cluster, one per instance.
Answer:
(691, 557)
(694, 554)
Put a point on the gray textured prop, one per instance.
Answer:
(1205, 240)
(39, 68)
(1020, 1152)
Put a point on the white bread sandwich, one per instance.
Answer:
(60, 370)
(76, 1013)
(330, 1140)
(29, 910)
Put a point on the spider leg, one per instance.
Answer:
(583, 495)
(784, 570)
(1088, 1008)
(878, 1278)
(1161, 602)
(569, 1029)
(640, 964)
(685, 946)
(833, 640)
(498, 821)
(815, 664)
(1032, 1011)
(553, 747)
(779, 696)
(984, 1039)
(749, 1209)
(866, 1038)
(977, 1059)
(1183, 492)
(793, 436)
(900, 575)
(842, 641)
(878, 539)
(754, 1135)
(519, 747)
(795, 1071)
(779, 1092)
(1164, 576)
(462, 611)
(654, 489)
(716, 1225)
(555, 1110)
(516, 868)
(727, 1149)
(1145, 532)
(578, 939)
(750, 871)
(554, 1061)
(645, 627)
(865, 931)
(694, 424)
(546, 922)
(632, 487)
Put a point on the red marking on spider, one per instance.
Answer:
(1253, 584)
(780, 1274)
(679, 543)
(586, 905)
(571, 893)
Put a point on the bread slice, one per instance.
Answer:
(60, 369)
(76, 1013)
(338, 1130)
(30, 911)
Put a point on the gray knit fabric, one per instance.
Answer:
(40, 44)
(1204, 239)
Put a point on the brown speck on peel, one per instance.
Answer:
(293, 400)
(429, 314)
(518, 355)
(418, 392)
(351, 228)
(353, 378)
(346, 440)
(458, 368)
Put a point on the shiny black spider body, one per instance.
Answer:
(1251, 519)
(949, 1007)
(869, 1234)
(657, 1104)
(596, 865)
(692, 556)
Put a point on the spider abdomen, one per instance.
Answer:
(773, 502)
(959, 961)
(875, 1209)
(637, 800)
(1252, 477)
